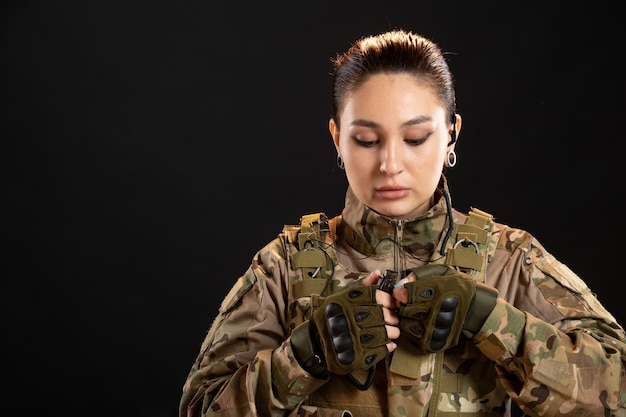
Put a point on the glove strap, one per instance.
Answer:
(368, 382)
(305, 353)
(484, 302)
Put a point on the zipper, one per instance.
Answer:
(398, 259)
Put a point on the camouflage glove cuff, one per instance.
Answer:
(349, 328)
(442, 303)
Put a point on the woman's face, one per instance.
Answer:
(393, 140)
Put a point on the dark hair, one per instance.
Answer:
(396, 51)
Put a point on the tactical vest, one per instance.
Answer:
(311, 259)
(311, 256)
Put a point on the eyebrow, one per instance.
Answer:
(410, 122)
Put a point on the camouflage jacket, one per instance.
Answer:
(548, 345)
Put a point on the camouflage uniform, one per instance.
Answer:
(548, 344)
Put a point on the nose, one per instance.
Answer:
(390, 162)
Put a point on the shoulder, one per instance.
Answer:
(271, 256)
(546, 271)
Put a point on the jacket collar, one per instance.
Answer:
(372, 233)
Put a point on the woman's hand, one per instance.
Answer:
(390, 308)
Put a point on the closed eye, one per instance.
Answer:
(417, 142)
(372, 143)
(365, 143)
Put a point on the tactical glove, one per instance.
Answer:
(442, 303)
(346, 333)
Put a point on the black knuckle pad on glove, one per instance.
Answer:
(438, 302)
(351, 329)
(340, 333)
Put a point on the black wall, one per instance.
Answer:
(150, 148)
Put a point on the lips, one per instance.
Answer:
(392, 192)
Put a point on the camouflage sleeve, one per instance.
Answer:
(245, 365)
(557, 350)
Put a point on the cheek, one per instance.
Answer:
(432, 156)
(439, 151)
(356, 171)
(357, 160)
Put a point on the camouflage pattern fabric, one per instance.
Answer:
(549, 344)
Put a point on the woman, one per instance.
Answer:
(403, 306)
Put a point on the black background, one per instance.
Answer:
(151, 147)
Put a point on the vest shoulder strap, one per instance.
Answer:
(310, 262)
(471, 244)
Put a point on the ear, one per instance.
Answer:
(334, 132)
(455, 130)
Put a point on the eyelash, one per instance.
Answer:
(370, 144)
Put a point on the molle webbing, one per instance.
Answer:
(311, 238)
(467, 250)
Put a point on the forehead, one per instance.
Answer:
(398, 94)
